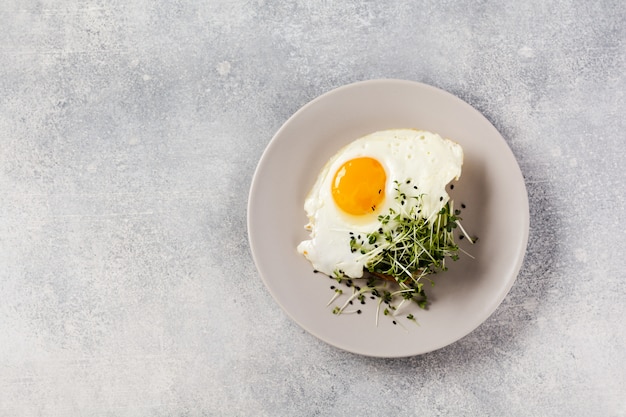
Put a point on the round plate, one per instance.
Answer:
(491, 187)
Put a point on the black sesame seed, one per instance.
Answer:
(362, 301)
(461, 237)
(440, 198)
(394, 322)
(315, 271)
(350, 302)
(358, 312)
(463, 206)
(452, 186)
(372, 297)
(332, 287)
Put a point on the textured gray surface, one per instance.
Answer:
(129, 134)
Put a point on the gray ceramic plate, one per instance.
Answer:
(491, 187)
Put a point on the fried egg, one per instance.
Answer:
(360, 182)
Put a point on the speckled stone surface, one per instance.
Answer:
(129, 134)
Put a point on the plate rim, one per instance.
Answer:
(516, 266)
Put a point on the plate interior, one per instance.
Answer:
(491, 187)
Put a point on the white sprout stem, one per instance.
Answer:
(393, 294)
(467, 253)
(374, 251)
(406, 271)
(337, 294)
(349, 311)
(424, 249)
(464, 232)
(354, 295)
(422, 274)
(397, 310)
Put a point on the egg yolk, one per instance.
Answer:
(358, 186)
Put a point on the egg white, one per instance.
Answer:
(426, 159)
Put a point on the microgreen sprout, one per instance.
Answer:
(402, 254)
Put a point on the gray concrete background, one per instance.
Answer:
(129, 133)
